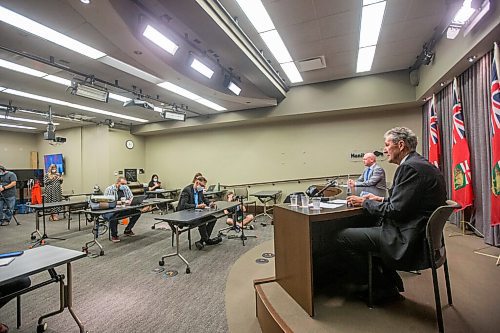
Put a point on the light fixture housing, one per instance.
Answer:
(201, 68)
(160, 40)
(168, 114)
(91, 92)
(139, 103)
(234, 88)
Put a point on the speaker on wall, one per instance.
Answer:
(414, 77)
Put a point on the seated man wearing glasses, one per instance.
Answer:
(192, 197)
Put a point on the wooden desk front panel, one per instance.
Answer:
(293, 261)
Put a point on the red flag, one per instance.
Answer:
(462, 181)
(495, 138)
(434, 136)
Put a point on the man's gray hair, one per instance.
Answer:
(119, 179)
(403, 134)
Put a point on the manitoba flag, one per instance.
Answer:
(461, 173)
(495, 138)
(434, 136)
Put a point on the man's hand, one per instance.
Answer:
(371, 196)
(213, 205)
(201, 206)
(355, 201)
(351, 183)
(1, 188)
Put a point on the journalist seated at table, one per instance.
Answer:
(192, 197)
(120, 190)
(373, 175)
(396, 229)
(9, 288)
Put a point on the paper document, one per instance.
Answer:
(338, 201)
(6, 261)
(330, 205)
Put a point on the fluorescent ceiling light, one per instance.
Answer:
(28, 120)
(159, 39)
(257, 14)
(371, 23)
(17, 126)
(369, 2)
(201, 68)
(20, 68)
(234, 88)
(2, 88)
(210, 104)
(179, 91)
(189, 95)
(47, 33)
(119, 97)
(124, 67)
(276, 46)
(71, 105)
(365, 59)
(464, 13)
(57, 79)
(292, 72)
(452, 32)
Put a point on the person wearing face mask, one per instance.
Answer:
(8, 181)
(192, 197)
(53, 190)
(154, 184)
(121, 190)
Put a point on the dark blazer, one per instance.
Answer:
(418, 189)
(186, 200)
(377, 178)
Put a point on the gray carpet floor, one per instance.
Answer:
(119, 292)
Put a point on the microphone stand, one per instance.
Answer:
(42, 239)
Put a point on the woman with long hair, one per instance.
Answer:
(53, 190)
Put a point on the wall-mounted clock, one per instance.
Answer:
(129, 144)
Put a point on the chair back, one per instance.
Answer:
(434, 231)
(241, 192)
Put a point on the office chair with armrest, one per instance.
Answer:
(242, 192)
(437, 257)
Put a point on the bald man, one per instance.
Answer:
(372, 176)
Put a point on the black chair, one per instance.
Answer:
(437, 256)
(242, 192)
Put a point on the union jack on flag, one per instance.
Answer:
(434, 125)
(495, 99)
(458, 118)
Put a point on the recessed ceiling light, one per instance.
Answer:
(234, 88)
(27, 120)
(159, 39)
(257, 14)
(189, 95)
(22, 69)
(276, 46)
(85, 1)
(201, 68)
(120, 98)
(442, 84)
(57, 79)
(365, 59)
(464, 13)
(292, 72)
(17, 126)
(47, 33)
(472, 58)
(71, 105)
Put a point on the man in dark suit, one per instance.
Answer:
(372, 176)
(398, 235)
(192, 197)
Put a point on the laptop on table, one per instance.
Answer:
(137, 200)
(211, 188)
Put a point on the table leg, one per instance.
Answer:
(69, 297)
(177, 253)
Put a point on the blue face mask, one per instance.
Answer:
(122, 187)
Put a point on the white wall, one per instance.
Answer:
(15, 149)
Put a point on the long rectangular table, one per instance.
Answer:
(40, 211)
(36, 260)
(192, 218)
(296, 232)
(94, 215)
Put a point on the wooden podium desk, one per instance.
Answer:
(296, 231)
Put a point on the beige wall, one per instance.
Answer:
(276, 151)
(93, 154)
(15, 149)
